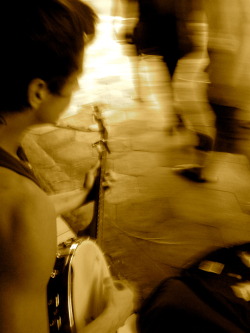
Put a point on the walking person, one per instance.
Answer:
(228, 88)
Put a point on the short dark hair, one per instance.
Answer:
(40, 39)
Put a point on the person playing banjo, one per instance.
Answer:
(42, 49)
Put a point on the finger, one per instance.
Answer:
(111, 175)
(119, 285)
(108, 282)
(106, 184)
(124, 284)
(96, 166)
(108, 179)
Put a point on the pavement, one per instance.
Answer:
(155, 222)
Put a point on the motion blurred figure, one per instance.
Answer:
(160, 38)
(229, 83)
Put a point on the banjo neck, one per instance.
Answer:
(94, 230)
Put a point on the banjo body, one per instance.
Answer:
(75, 290)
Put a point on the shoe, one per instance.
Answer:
(190, 171)
(205, 142)
(177, 126)
(193, 172)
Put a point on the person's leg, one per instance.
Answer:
(226, 140)
(174, 305)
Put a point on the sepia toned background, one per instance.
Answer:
(155, 222)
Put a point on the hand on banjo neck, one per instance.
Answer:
(98, 180)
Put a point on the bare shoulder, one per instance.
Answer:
(27, 228)
(20, 196)
(27, 253)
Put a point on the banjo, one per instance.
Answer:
(97, 192)
(75, 289)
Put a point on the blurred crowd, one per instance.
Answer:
(213, 36)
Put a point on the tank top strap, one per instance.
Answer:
(22, 166)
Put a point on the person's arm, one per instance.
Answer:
(105, 323)
(120, 305)
(27, 255)
(68, 201)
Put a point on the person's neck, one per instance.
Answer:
(13, 129)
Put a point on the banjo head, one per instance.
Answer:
(75, 289)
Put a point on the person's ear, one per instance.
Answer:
(37, 93)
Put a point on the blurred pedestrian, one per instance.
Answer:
(162, 35)
(160, 38)
(229, 83)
